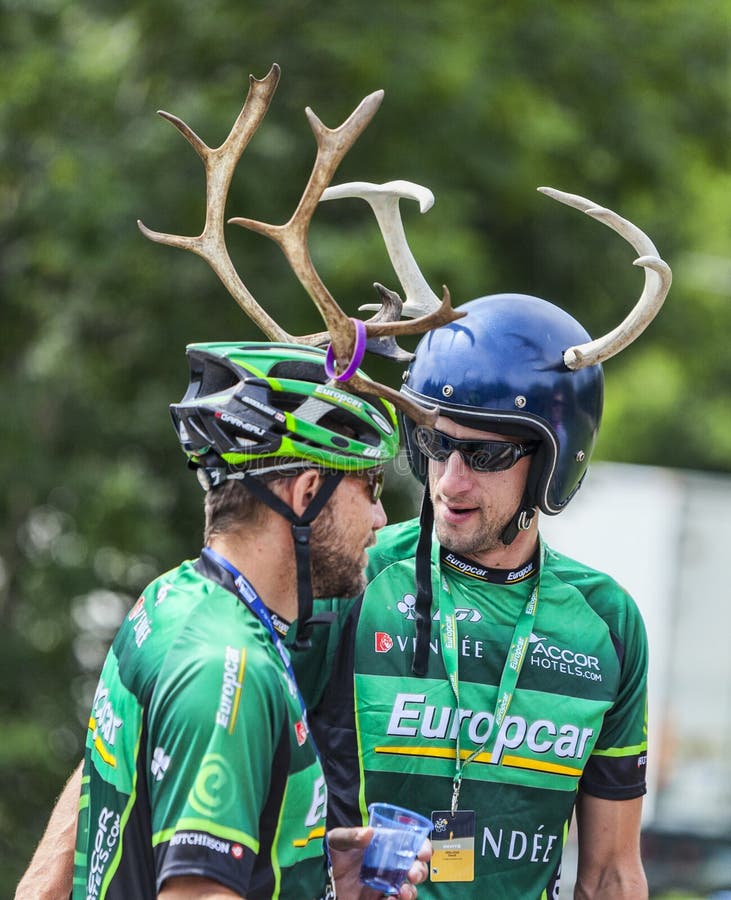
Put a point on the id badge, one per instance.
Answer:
(453, 845)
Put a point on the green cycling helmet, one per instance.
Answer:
(267, 406)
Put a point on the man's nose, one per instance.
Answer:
(379, 515)
(455, 475)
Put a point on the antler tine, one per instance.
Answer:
(384, 201)
(220, 164)
(658, 278)
(389, 310)
(421, 415)
(442, 315)
(332, 145)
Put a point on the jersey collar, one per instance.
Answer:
(454, 562)
(213, 571)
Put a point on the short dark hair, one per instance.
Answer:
(230, 505)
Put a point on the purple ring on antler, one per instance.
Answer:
(356, 359)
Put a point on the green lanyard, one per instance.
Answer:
(508, 680)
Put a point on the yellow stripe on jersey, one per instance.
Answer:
(516, 762)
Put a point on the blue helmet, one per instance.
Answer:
(520, 366)
(501, 369)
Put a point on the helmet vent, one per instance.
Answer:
(215, 378)
(246, 443)
(299, 371)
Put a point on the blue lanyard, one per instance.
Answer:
(253, 601)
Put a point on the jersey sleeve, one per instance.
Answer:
(616, 770)
(215, 732)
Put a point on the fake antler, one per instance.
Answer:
(658, 278)
(220, 163)
(384, 201)
(332, 145)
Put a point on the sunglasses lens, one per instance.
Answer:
(433, 444)
(492, 456)
(375, 479)
(377, 485)
(480, 456)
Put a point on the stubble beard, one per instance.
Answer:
(334, 573)
(485, 536)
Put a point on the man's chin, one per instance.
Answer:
(340, 588)
(454, 537)
(466, 541)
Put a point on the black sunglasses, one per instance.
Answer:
(480, 456)
(374, 478)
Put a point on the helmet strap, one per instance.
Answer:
(422, 607)
(521, 521)
(301, 532)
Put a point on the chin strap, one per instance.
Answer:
(422, 608)
(521, 521)
(301, 530)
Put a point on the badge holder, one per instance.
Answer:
(453, 845)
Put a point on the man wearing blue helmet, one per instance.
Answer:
(484, 679)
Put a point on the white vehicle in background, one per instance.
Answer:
(648, 528)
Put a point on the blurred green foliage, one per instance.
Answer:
(623, 102)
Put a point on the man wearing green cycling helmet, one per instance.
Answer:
(291, 462)
(200, 776)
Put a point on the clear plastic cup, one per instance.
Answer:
(398, 835)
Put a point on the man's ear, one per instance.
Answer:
(302, 489)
